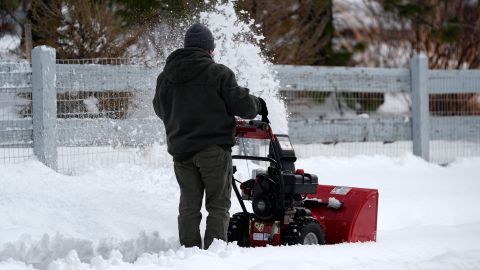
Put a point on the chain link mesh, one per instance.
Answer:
(346, 112)
(105, 117)
(452, 116)
(101, 104)
(15, 112)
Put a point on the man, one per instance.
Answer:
(197, 100)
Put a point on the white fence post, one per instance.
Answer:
(420, 107)
(44, 105)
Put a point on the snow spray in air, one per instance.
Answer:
(236, 50)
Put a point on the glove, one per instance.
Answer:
(263, 110)
(263, 107)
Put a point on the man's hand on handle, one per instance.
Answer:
(263, 110)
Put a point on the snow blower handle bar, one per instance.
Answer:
(260, 124)
(263, 110)
(253, 129)
(271, 160)
(265, 119)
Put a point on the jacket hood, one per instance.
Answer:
(185, 64)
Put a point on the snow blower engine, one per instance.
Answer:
(290, 207)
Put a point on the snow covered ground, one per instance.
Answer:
(124, 217)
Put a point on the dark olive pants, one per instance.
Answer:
(209, 171)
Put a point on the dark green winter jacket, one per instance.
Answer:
(197, 100)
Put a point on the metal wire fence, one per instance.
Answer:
(96, 61)
(323, 117)
(15, 112)
(104, 113)
(448, 110)
(346, 112)
(101, 111)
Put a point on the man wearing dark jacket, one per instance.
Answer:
(197, 100)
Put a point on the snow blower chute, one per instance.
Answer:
(290, 207)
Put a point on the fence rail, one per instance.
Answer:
(94, 77)
(453, 81)
(382, 130)
(340, 79)
(93, 105)
(105, 132)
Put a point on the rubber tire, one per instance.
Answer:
(312, 227)
(238, 229)
(297, 231)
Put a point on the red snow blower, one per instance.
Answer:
(290, 207)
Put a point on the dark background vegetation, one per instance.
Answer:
(384, 33)
(296, 31)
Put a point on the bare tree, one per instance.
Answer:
(448, 31)
(81, 29)
(296, 31)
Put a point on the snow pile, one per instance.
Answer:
(125, 217)
(395, 104)
(91, 104)
(65, 250)
(49, 202)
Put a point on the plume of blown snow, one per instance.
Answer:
(238, 48)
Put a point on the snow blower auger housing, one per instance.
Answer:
(290, 207)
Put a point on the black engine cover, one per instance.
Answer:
(265, 199)
(300, 184)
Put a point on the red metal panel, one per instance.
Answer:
(264, 233)
(355, 221)
(245, 130)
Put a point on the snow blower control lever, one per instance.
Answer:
(289, 206)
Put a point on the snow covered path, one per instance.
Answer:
(433, 247)
(125, 218)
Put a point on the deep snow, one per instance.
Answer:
(108, 218)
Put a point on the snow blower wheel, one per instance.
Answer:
(306, 231)
(238, 229)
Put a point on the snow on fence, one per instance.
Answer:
(15, 92)
(104, 115)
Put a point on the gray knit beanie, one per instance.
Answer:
(199, 36)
